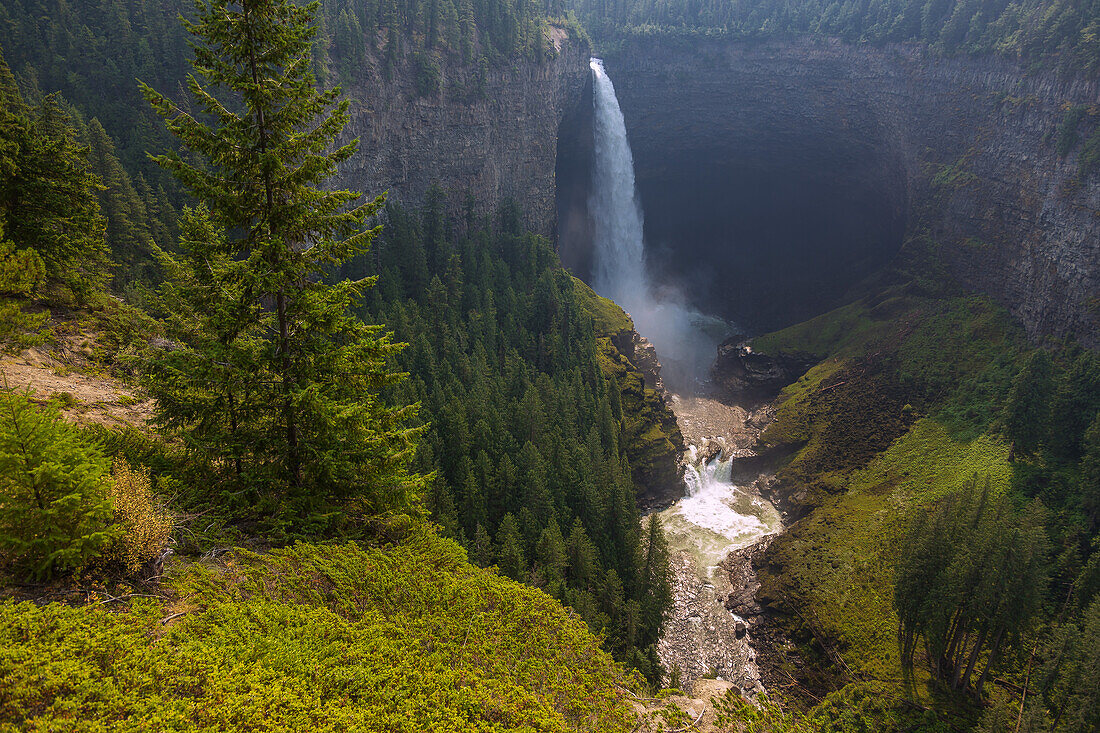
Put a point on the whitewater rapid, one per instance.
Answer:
(716, 516)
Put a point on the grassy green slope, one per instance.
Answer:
(409, 637)
(897, 414)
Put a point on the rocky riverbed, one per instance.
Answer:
(714, 532)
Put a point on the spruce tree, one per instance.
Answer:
(510, 553)
(1090, 472)
(655, 581)
(275, 382)
(1027, 414)
(48, 192)
(55, 505)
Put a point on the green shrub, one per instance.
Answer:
(1067, 129)
(429, 77)
(55, 508)
(314, 638)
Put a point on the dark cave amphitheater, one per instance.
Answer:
(765, 206)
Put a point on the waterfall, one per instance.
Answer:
(685, 339)
(617, 214)
(715, 515)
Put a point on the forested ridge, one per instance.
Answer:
(285, 412)
(88, 56)
(1060, 33)
(526, 442)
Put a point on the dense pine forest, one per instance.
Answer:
(281, 416)
(1057, 32)
(526, 444)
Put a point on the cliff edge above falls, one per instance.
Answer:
(486, 134)
(963, 152)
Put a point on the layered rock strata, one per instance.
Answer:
(957, 157)
(486, 134)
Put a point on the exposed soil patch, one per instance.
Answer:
(66, 374)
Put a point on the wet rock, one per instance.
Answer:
(645, 358)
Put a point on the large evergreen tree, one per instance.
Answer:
(276, 383)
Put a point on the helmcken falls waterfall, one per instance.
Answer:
(716, 516)
(617, 214)
(685, 338)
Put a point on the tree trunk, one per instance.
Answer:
(993, 651)
(956, 663)
(293, 464)
(953, 636)
(978, 643)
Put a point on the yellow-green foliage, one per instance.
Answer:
(894, 417)
(734, 713)
(839, 561)
(54, 483)
(795, 417)
(315, 638)
(607, 317)
(145, 522)
(654, 442)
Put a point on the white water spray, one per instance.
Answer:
(620, 257)
(685, 339)
(716, 515)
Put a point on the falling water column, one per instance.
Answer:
(619, 271)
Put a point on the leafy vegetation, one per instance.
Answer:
(275, 383)
(969, 579)
(529, 441)
(333, 637)
(933, 410)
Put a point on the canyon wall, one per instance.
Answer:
(894, 145)
(485, 134)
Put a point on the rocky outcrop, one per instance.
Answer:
(485, 135)
(644, 356)
(654, 443)
(958, 155)
(748, 376)
(702, 635)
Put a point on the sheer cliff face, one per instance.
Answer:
(491, 143)
(790, 170)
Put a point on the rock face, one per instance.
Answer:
(849, 151)
(654, 443)
(488, 135)
(749, 377)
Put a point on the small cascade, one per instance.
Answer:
(716, 515)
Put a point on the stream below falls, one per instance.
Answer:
(713, 532)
